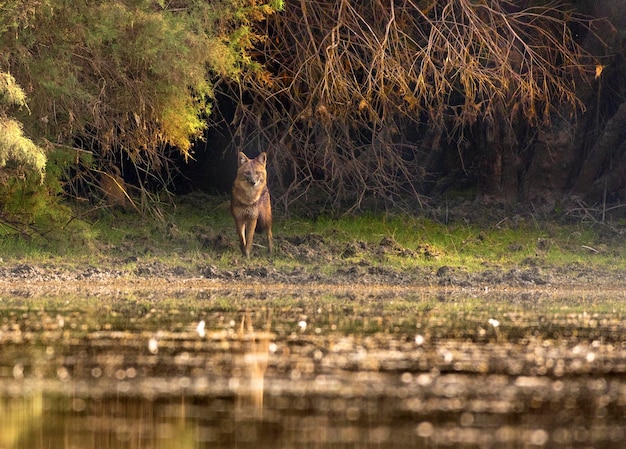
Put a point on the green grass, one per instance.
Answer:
(469, 246)
(186, 236)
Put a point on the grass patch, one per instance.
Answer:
(199, 232)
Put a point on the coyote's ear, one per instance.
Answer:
(262, 158)
(242, 158)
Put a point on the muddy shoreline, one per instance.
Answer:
(28, 280)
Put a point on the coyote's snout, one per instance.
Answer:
(250, 201)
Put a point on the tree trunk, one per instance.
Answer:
(604, 168)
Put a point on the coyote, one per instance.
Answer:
(250, 201)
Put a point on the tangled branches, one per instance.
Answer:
(361, 92)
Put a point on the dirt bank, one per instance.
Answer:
(307, 260)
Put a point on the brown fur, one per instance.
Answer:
(114, 188)
(250, 202)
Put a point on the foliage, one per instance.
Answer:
(32, 207)
(10, 92)
(22, 163)
(15, 148)
(363, 92)
(127, 80)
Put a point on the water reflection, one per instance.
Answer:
(468, 371)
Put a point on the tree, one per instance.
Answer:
(19, 157)
(17, 152)
(128, 81)
(597, 177)
(368, 98)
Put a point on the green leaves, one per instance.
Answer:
(14, 146)
(10, 92)
(133, 76)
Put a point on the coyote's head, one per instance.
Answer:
(253, 170)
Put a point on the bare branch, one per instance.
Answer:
(354, 85)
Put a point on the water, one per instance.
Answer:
(316, 367)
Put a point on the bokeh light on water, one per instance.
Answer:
(314, 369)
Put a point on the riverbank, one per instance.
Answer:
(57, 278)
(195, 242)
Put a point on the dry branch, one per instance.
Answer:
(352, 87)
